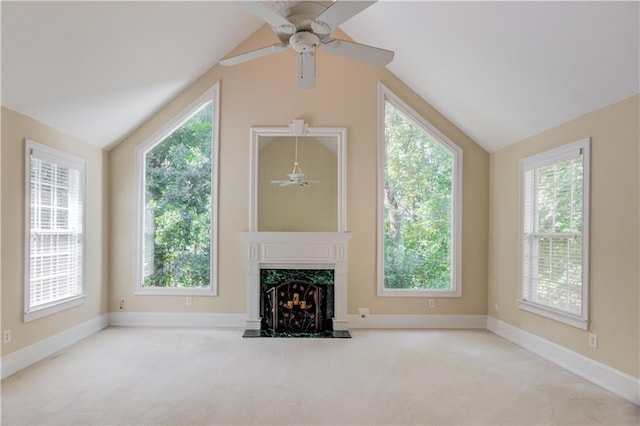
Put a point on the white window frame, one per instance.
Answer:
(533, 162)
(386, 95)
(210, 95)
(51, 155)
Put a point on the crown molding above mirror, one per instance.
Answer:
(333, 138)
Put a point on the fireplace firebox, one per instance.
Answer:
(296, 301)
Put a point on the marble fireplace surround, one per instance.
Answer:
(297, 250)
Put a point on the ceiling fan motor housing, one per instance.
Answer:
(304, 41)
(305, 25)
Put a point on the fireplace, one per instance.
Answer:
(296, 301)
(297, 263)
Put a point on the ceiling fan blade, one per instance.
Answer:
(341, 11)
(306, 70)
(361, 52)
(266, 12)
(253, 54)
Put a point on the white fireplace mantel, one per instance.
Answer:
(297, 250)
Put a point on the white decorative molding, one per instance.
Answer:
(418, 321)
(23, 358)
(337, 133)
(169, 319)
(297, 250)
(622, 384)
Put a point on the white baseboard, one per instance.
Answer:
(417, 321)
(23, 358)
(164, 319)
(168, 319)
(622, 384)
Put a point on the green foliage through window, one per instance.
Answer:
(418, 206)
(177, 216)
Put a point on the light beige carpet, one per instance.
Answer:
(201, 376)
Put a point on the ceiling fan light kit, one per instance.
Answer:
(296, 177)
(306, 25)
(304, 41)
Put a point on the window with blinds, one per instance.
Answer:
(54, 272)
(554, 233)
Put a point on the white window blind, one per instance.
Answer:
(55, 240)
(554, 249)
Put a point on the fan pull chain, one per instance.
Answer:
(296, 166)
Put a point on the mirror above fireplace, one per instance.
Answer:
(297, 179)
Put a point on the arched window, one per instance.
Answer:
(177, 170)
(419, 197)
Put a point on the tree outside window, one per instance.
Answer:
(418, 197)
(176, 238)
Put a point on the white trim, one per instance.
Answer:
(532, 162)
(561, 153)
(418, 321)
(23, 358)
(339, 133)
(384, 94)
(621, 384)
(52, 309)
(167, 319)
(554, 314)
(212, 94)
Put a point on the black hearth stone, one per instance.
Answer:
(336, 334)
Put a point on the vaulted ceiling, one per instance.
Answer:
(500, 71)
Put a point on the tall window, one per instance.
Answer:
(554, 233)
(419, 205)
(177, 172)
(54, 231)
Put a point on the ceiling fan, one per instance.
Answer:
(305, 25)
(296, 177)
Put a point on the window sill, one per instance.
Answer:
(553, 314)
(43, 312)
(160, 291)
(399, 292)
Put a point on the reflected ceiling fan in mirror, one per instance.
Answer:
(305, 25)
(296, 177)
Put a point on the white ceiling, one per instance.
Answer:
(501, 71)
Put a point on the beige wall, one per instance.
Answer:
(614, 236)
(15, 129)
(263, 92)
(312, 208)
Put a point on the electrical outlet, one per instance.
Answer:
(363, 312)
(6, 336)
(593, 340)
(123, 302)
(188, 301)
(432, 303)
(496, 307)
